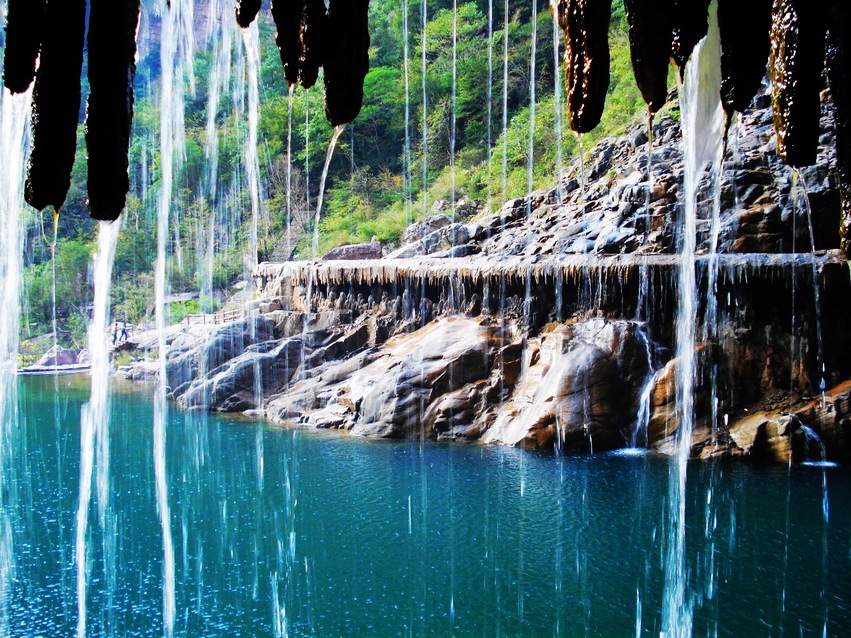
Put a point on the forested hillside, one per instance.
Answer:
(391, 165)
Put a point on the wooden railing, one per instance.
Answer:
(213, 319)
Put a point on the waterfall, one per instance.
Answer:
(289, 177)
(175, 58)
(798, 180)
(406, 157)
(639, 435)
(530, 168)
(505, 20)
(489, 97)
(94, 433)
(703, 126)
(14, 116)
(251, 43)
(453, 132)
(424, 120)
(557, 106)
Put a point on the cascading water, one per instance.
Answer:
(799, 192)
(175, 56)
(406, 152)
(94, 434)
(453, 128)
(505, 20)
(530, 167)
(703, 126)
(424, 113)
(14, 115)
(557, 106)
(638, 437)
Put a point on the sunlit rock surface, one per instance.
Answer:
(550, 323)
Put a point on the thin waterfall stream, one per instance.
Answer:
(703, 122)
(14, 113)
(95, 437)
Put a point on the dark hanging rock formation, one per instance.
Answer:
(287, 16)
(691, 22)
(839, 76)
(797, 60)
(312, 40)
(650, 31)
(56, 105)
(23, 31)
(112, 49)
(246, 11)
(585, 24)
(346, 37)
(745, 46)
(300, 37)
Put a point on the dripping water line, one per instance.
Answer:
(642, 311)
(424, 143)
(94, 424)
(490, 100)
(804, 195)
(557, 108)
(504, 102)
(530, 167)
(406, 158)
(289, 176)
(311, 279)
(454, 120)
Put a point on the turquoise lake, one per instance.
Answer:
(287, 532)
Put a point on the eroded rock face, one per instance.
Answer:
(579, 388)
(781, 435)
(400, 388)
(241, 383)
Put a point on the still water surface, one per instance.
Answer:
(286, 532)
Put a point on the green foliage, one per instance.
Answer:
(180, 309)
(72, 290)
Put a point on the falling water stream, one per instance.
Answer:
(703, 125)
(530, 167)
(14, 115)
(94, 433)
(175, 52)
(557, 106)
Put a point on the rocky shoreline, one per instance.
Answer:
(550, 324)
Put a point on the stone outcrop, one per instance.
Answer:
(550, 323)
(579, 389)
(372, 250)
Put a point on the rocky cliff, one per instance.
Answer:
(549, 324)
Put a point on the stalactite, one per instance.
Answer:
(112, 49)
(691, 22)
(246, 11)
(650, 33)
(585, 24)
(287, 16)
(346, 58)
(839, 76)
(797, 60)
(745, 45)
(56, 105)
(23, 37)
(312, 41)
